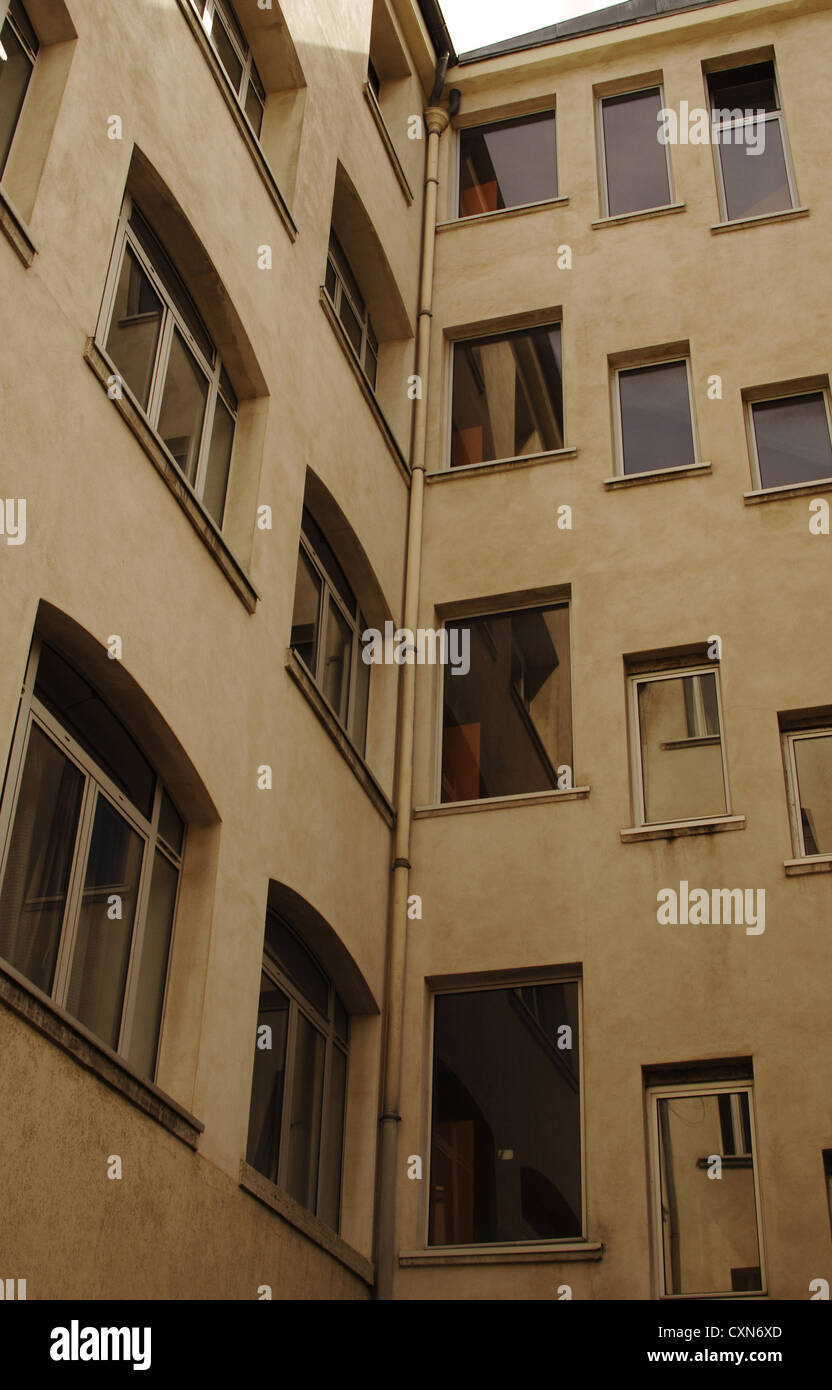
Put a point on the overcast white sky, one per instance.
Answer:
(473, 23)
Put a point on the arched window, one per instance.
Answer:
(298, 1094)
(91, 848)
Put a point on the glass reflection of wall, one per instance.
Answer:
(507, 396)
(681, 751)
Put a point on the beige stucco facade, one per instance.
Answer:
(207, 686)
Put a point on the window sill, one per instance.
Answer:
(340, 738)
(501, 465)
(785, 216)
(500, 213)
(304, 1221)
(641, 216)
(656, 475)
(387, 141)
(16, 230)
(499, 803)
(811, 864)
(250, 139)
(775, 494)
(25, 999)
(171, 476)
(544, 1252)
(672, 830)
(367, 390)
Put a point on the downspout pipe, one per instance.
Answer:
(436, 121)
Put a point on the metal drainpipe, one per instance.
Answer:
(436, 121)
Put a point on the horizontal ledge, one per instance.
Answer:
(785, 216)
(639, 216)
(550, 1253)
(657, 475)
(497, 803)
(304, 1221)
(776, 494)
(366, 389)
(501, 465)
(387, 141)
(339, 736)
(173, 478)
(672, 830)
(503, 212)
(812, 864)
(25, 999)
(16, 230)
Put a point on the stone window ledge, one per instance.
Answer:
(366, 389)
(657, 475)
(16, 230)
(304, 1221)
(708, 825)
(775, 494)
(571, 1252)
(785, 216)
(259, 159)
(340, 738)
(25, 999)
(812, 864)
(211, 538)
(499, 803)
(498, 214)
(642, 216)
(467, 470)
(387, 141)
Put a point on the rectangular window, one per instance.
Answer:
(654, 417)
(298, 1096)
(231, 47)
(808, 759)
(706, 1202)
(507, 164)
(678, 750)
(345, 296)
(791, 439)
(506, 1155)
(507, 723)
(635, 164)
(90, 866)
(749, 137)
(507, 397)
(18, 55)
(162, 353)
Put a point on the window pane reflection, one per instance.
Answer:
(507, 396)
(754, 171)
(183, 407)
(269, 1080)
(635, 159)
(305, 1122)
(656, 429)
(681, 753)
(508, 164)
(792, 437)
(134, 329)
(813, 760)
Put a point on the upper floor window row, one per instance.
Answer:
(513, 163)
(18, 55)
(231, 47)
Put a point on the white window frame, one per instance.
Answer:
(790, 738)
(172, 319)
(369, 338)
(357, 626)
(756, 398)
(602, 150)
(97, 784)
(636, 767)
(31, 54)
(687, 1090)
(618, 429)
(206, 9)
(482, 988)
(717, 127)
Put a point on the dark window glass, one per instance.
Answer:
(754, 175)
(133, 338)
(96, 728)
(286, 950)
(507, 396)
(373, 78)
(171, 825)
(681, 754)
(656, 429)
(226, 53)
(183, 406)
(305, 614)
(505, 1133)
(254, 106)
(747, 89)
(329, 1195)
(304, 1137)
(635, 159)
(507, 723)
(792, 436)
(20, 46)
(269, 1080)
(173, 283)
(325, 554)
(33, 897)
(219, 462)
(813, 762)
(508, 164)
(150, 995)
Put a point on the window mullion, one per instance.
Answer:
(160, 368)
(74, 896)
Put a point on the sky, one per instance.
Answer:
(473, 23)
